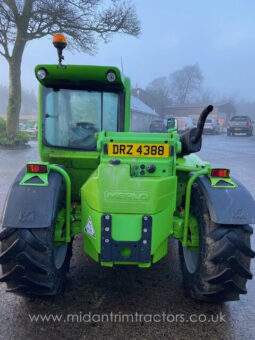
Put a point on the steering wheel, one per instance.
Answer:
(83, 136)
(86, 125)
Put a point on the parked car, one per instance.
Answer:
(240, 124)
(184, 123)
(32, 132)
(158, 125)
(212, 126)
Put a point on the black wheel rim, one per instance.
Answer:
(60, 255)
(191, 259)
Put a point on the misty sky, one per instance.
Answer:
(219, 35)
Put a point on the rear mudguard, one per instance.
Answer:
(33, 206)
(228, 206)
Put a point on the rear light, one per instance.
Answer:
(228, 124)
(37, 168)
(220, 173)
(247, 124)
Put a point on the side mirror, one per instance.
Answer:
(171, 123)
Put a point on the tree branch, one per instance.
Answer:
(12, 5)
(83, 21)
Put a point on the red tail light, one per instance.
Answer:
(220, 173)
(228, 124)
(247, 124)
(37, 168)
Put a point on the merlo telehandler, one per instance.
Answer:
(127, 193)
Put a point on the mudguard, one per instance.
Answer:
(228, 205)
(33, 206)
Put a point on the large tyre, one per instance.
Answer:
(31, 263)
(218, 272)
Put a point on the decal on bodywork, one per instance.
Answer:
(89, 229)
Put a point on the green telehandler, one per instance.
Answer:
(127, 193)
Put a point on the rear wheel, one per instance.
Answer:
(219, 269)
(31, 262)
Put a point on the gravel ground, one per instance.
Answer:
(91, 290)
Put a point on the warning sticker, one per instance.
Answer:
(89, 228)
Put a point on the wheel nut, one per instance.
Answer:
(145, 230)
(145, 218)
(107, 217)
(107, 240)
(107, 229)
(144, 242)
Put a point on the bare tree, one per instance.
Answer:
(83, 21)
(205, 96)
(159, 91)
(185, 83)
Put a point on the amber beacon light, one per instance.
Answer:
(59, 41)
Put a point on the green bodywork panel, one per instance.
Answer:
(220, 182)
(28, 176)
(112, 189)
(78, 164)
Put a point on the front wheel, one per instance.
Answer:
(220, 267)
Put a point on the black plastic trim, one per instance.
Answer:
(228, 205)
(33, 206)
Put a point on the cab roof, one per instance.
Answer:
(81, 76)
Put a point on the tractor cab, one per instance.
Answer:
(75, 105)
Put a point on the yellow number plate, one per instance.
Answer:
(138, 150)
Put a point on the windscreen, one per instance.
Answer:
(72, 117)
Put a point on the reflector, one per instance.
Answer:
(37, 168)
(220, 173)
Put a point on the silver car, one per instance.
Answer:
(212, 126)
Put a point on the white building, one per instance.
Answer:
(141, 115)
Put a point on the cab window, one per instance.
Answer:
(72, 117)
